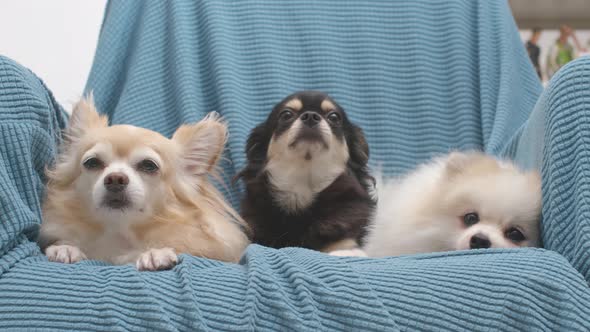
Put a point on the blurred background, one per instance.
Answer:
(57, 39)
(554, 31)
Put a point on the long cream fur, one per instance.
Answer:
(186, 213)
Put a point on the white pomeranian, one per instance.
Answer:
(456, 202)
(124, 194)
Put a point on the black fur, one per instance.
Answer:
(341, 211)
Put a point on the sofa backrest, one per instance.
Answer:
(420, 77)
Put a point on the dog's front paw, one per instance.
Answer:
(156, 259)
(349, 253)
(64, 254)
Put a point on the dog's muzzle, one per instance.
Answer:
(479, 241)
(310, 119)
(115, 184)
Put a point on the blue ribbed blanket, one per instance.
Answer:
(420, 77)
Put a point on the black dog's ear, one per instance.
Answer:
(257, 144)
(359, 158)
(358, 147)
(256, 147)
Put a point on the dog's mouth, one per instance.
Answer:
(309, 135)
(118, 201)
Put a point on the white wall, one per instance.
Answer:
(56, 39)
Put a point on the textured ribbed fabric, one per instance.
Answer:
(301, 290)
(566, 168)
(556, 139)
(30, 121)
(420, 77)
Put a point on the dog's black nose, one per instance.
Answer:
(479, 241)
(116, 182)
(311, 119)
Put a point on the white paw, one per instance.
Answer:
(156, 259)
(350, 252)
(64, 254)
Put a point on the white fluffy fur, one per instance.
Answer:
(65, 254)
(423, 211)
(156, 259)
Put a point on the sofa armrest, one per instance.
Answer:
(30, 122)
(556, 140)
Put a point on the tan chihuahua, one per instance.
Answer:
(125, 194)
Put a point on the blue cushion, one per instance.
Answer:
(301, 290)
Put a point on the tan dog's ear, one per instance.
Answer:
(456, 162)
(84, 117)
(202, 143)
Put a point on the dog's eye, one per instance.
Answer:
(514, 234)
(286, 115)
(148, 166)
(93, 163)
(471, 219)
(334, 117)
